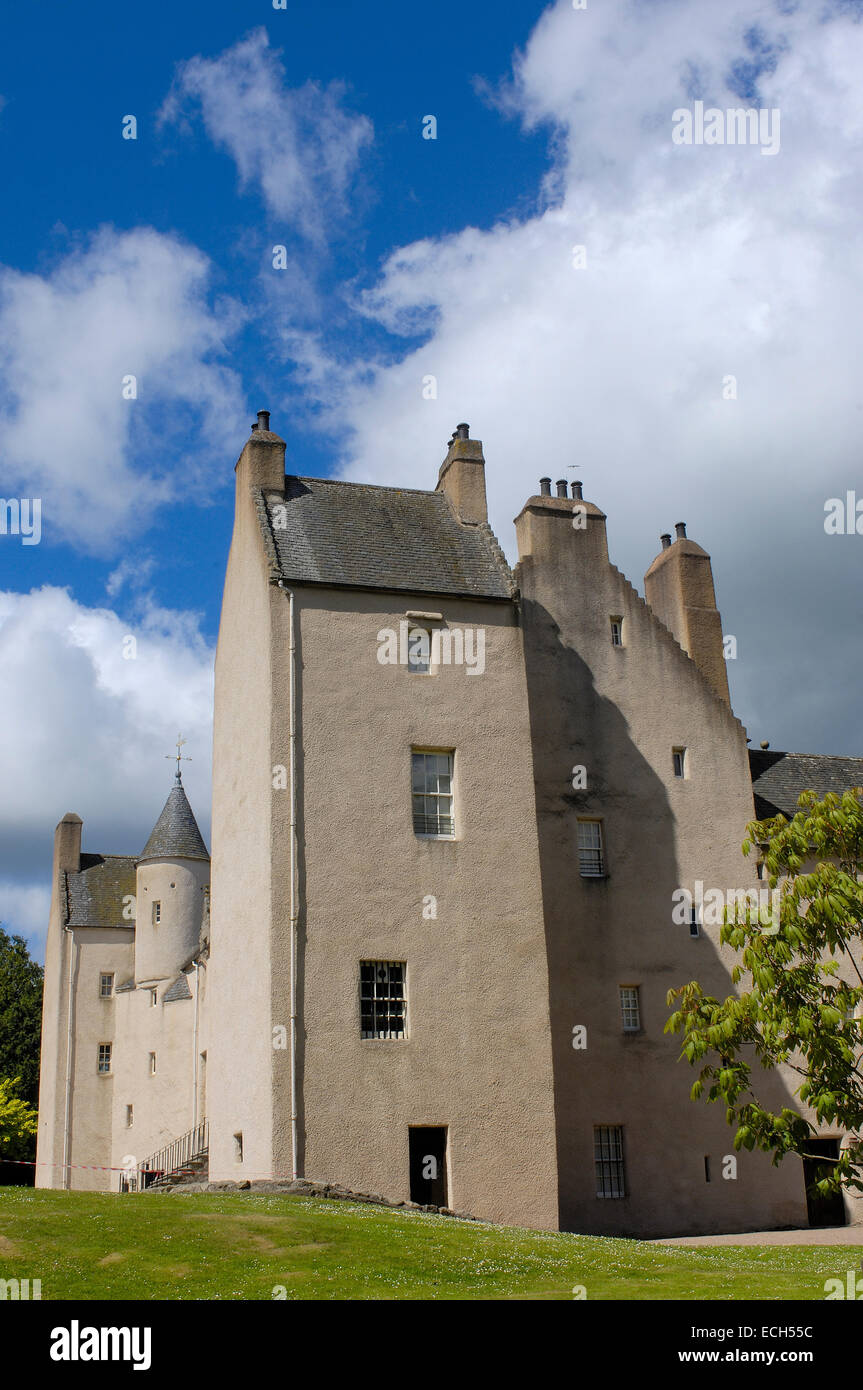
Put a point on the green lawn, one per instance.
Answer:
(89, 1246)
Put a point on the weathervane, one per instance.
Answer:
(176, 756)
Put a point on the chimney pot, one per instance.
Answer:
(665, 538)
(562, 487)
(576, 492)
(254, 426)
(462, 431)
(545, 487)
(263, 420)
(680, 528)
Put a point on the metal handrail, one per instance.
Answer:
(194, 1144)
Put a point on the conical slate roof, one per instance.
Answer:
(175, 834)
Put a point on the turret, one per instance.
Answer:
(172, 875)
(679, 588)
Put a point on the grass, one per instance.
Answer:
(105, 1246)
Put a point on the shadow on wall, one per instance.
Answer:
(616, 931)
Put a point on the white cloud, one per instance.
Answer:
(702, 262)
(128, 304)
(84, 729)
(299, 145)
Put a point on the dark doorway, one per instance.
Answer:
(428, 1165)
(829, 1210)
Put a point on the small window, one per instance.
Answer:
(154, 998)
(104, 1059)
(630, 1008)
(678, 757)
(707, 1167)
(106, 986)
(130, 1116)
(617, 632)
(590, 858)
(383, 1005)
(694, 927)
(238, 1147)
(431, 787)
(152, 1064)
(157, 912)
(419, 651)
(608, 1160)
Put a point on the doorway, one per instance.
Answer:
(428, 1164)
(822, 1210)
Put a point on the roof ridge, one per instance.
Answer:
(375, 487)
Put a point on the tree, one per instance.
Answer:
(17, 1122)
(20, 1015)
(802, 989)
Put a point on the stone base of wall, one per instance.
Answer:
(303, 1187)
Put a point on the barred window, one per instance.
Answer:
(431, 786)
(104, 1058)
(106, 986)
(590, 860)
(630, 1008)
(608, 1160)
(383, 1005)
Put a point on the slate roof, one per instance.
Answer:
(779, 778)
(178, 990)
(175, 834)
(94, 895)
(359, 536)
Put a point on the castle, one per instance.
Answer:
(452, 803)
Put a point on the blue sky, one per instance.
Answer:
(408, 257)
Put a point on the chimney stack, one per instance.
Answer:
(262, 462)
(679, 588)
(462, 477)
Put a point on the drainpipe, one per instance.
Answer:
(67, 1123)
(292, 660)
(195, 1055)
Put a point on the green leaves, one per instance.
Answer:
(797, 990)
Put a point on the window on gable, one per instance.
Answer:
(432, 794)
(383, 1001)
(608, 1160)
(617, 631)
(591, 863)
(630, 1008)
